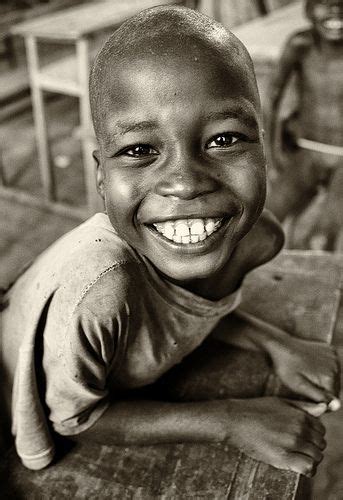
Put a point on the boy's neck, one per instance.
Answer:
(217, 286)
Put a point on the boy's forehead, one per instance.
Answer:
(180, 41)
(176, 68)
(153, 91)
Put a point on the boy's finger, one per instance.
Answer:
(337, 379)
(314, 409)
(311, 391)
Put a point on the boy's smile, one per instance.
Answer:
(181, 162)
(327, 16)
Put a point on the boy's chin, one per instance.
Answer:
(184, 274)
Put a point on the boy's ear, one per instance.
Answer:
(263, 142)
(99, 174)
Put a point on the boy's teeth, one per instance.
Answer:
(168, 230)
(186, 231)
(197, 226)
(194, 238)
(181, 228)
(177, 239)
(209, 226)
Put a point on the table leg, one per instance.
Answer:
(2, 170)
(40, 120)
(87, 134)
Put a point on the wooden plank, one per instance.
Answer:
(304, 288)
(63, 75)
(266, 36)
(41, 131)
(73, 23)
(87, 141)
(24, 198)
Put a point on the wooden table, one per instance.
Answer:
(69, 76)
(298, 291)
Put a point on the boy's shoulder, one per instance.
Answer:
(89, 255)
(94, 243)
(299, 43)
(263, 242)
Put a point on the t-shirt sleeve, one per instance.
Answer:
(77, 392)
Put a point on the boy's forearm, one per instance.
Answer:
(148, 422)
(258, 426)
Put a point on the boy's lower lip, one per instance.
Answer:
(192, 248)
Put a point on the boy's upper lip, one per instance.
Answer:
(181, 209)
(184, 215)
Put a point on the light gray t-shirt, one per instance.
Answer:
(92, 317)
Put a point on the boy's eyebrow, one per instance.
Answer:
(239, 114)
(122, 128)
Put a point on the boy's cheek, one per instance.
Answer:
(250, 184)
(122, 189)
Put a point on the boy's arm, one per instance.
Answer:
(310, 369)
(260, 427)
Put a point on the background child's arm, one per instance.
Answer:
(291, 57)
(272, 430)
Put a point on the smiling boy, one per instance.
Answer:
(127, 295)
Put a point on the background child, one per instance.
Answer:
(308, 153)
(115, 303)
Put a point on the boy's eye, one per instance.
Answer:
(223, 140)
(140, 150)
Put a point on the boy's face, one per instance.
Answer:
(182, 167)
(327, 17)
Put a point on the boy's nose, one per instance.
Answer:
(186, 183)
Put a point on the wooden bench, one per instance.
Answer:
(298, 291)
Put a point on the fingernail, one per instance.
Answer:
(334, 404)
(319, 409)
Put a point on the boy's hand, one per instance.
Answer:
(310, 369)
(278, 432)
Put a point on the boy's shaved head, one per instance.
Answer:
(165, 34)
(177, 116)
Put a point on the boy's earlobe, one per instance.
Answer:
(99, 174)
(263, 144)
